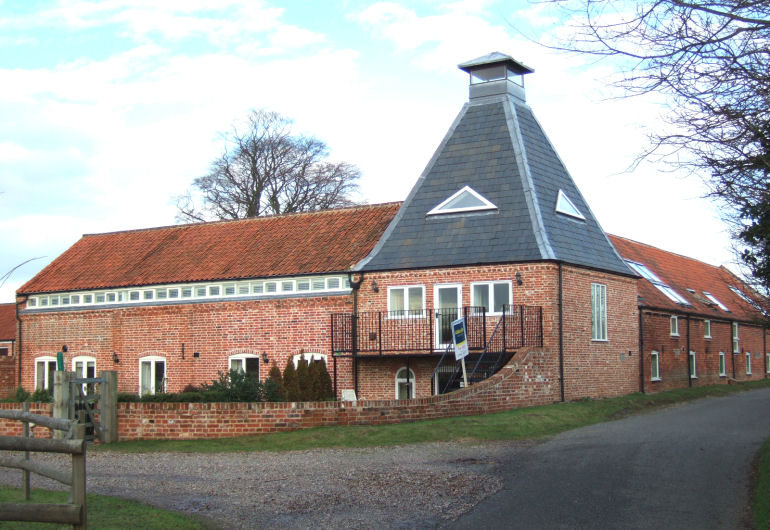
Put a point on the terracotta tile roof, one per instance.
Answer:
(682, 273)
(7, 321)
(305, 243)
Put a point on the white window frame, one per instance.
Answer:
(565, 206)
(716, 302)
(407, 313)
(412, 382)
(154, 359)
(441, 208)
(674, 326)
(736, 339)
(242, 357)
(767, 363)
(651, 277)
(309, 357)
(491, 294)
(599, 312)
(722, 364)
(84, 359)
(654, 362)
(694, 371)
(47, 385)
(748, 363)
(707, 329)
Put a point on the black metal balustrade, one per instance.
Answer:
(414, 332)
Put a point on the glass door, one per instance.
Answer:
(448, 303)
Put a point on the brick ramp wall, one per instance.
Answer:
(7, 376)
(527, 380)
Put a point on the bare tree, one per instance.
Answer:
(711, 59)
(265, 169)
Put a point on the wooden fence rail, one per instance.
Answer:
(74, 512)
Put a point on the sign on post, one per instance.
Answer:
(460, 340)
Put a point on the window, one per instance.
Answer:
(200, 291)
(693, 367)
(161, 294)
(32, 302)
(674, 326)
(243, 288)
(333, 283)
(148, 295)
(714, 301)
(598, 311)
(566, 206)
(722, 365)
(492, 296)
(152, 375)
(736, 341)
(229, 290)
(303, 285)
(187, 292)
(655, 366)
(767, 363)
(111, 297)
(271, 287)
(85, 367)
(44, 370)
(464, 200)
(245, 362)
(75, 298)
(405, 387)
(309, 357)
(706, 329)
(133, 296)
(748, 363)
(173, 293)
(213, 290)
(87, 298)
(406, 301)
(318, 284)
(287, 286)
(4, 350)
(650, 276)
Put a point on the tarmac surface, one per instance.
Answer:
(687, 466)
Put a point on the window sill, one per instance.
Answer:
(693, 377)
(674, 335)
(600, 340)
(722, 375)
(656, 380)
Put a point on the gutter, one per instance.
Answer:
(355, 285)
(18, 347)
(561, 337)
(689, 373)
(641, 351)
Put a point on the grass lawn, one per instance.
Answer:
(103, 512)
(517, 424)
(760, 501)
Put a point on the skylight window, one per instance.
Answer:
(714, 301)
(650, 276)
(465, 200)
(566, 206)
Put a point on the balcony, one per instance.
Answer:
(378, 333)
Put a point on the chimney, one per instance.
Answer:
(495, 74)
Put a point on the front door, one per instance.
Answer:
(448, 301)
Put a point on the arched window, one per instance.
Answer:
(84, 366)
(152, 375)
(44, 369)
(245, 362)
(405, 387)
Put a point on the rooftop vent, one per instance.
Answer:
(494, 74)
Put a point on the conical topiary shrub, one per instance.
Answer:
(290, 382)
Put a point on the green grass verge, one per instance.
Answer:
(103, 512)
(760, 502)
(517, 424)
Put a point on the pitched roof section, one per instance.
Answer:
(497, 148)
(693, 280)
(306, 243)
(7, 322)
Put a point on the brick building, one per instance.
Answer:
(494, 230)
(8, 365)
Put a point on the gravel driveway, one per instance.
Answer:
(416, 486)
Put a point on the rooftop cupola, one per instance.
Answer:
(494, 74)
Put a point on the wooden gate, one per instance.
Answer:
(91, 401)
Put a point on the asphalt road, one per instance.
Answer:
(683, 467)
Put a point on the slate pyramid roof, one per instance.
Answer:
(497, 148)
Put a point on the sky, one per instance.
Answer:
(111, 108)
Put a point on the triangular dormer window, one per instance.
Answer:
(566, 206)
(465, 200)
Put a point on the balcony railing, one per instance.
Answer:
(429, 331)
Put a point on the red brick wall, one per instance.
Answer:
(673, 353)
(523, 382)
(599, 368)
(279, 327)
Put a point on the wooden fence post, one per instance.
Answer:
(108, 407)
(25, 473)
(79, 477)
(61, 398)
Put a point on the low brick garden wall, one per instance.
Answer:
(530, 380)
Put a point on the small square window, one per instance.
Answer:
(333, 283)
(133, 296)
(88, 298)
(65, 300)
(54, 300)
(229, 290)
(258, 288)
(99, 298)
(318, 284)
(271, 287)
(243, 288)
(161, 294)
(200, 291)
(214, 290)
(173, 293)
(149, 295)
(32, 302)
(44, 301)
(111, 297)
(187, 292)
(75, 299)
(287, 286)
(303, 285)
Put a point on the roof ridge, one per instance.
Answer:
(247, 219)
(667, 251)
